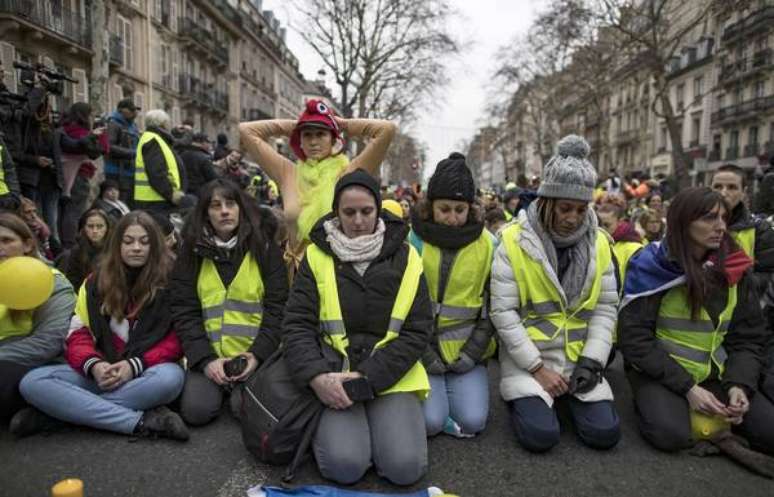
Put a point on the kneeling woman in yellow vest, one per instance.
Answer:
(159, 174)
(448, 231)
(554, 300)
(691, 329)
(316, 139)
(33, 337)
(121, 349)
(230, 287)
(356, 325)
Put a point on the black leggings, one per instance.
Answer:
(664, 418)
(11, 400)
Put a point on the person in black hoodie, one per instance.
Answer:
(230, 286)
(80, 261)
(356, 325)
(691, 329)
(198, 163)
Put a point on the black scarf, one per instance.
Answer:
(151, 324)
(443, 236)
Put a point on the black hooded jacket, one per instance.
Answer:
(763, 270)
(366, 305)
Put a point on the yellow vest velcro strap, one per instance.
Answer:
(689, 325)
(455, 312)
(547, 307)
(395, 325)
(239, 330)
(691, 354)
(457, 332)
(333, 327)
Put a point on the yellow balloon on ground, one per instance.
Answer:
(71, 487)
(25, 283)
(393, 207)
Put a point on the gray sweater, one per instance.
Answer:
(50, 323)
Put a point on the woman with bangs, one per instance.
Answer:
(121, 349)
(691, 329)
(230, 286)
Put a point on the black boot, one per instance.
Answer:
(163, 423)
(30, 421)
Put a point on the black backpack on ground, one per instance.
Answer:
(278, 418)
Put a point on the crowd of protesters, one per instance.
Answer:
(175, 258)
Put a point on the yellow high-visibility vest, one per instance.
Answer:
(3, 186)
(623, 252)
(746, 240)
(232, 316)
(332, 325)
(463, 298)
(544, 314)
(143, 191)
(694, 344)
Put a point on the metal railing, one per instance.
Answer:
(732, 153)
(759, 19)
(746, 67)
(714, 155)
(64, 22)
(188, 28)
(735, 111)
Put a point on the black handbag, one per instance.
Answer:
(278, 418)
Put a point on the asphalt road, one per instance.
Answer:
(214, 463)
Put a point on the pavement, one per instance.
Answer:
(215, 463)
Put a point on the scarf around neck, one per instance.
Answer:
(359, 251)
(445, 237)
(579, 246)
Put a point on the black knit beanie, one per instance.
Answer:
(452, 180)
(358, 177)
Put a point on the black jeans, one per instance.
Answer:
(11, 400)
(664, 418)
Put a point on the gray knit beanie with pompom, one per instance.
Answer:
(569, 174)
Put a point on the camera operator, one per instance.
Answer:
(123, 137)
(38, 159)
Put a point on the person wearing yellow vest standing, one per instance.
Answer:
(691, 329)
(357, 322)
(230, 287)
(159, 175)
(553, 303)
(28, 338)
(9, 181)
(316, 139)
(456, 250)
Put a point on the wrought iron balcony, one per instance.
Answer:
(188, 29)
(732, 153)
(73, 26)
(714, 155)
(743, 110)
(758, 21)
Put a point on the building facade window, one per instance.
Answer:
(760, 89)
(698, 87)
(124, 31)
(695, 130)
(752, 136)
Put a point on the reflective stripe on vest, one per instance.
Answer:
(694, 344)
(3, 186)
(143, 191)
(548, 323)
(332, 324)
(746, 241)
(232, 318)
(463, 301)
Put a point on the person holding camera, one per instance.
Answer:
(230, 288)
(356, 324)
(159, 176)
(121, 349)
(554, 299)
(123, 137)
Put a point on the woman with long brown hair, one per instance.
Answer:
(80, 261)
(691, 329)
(33, 337)
(121, 348)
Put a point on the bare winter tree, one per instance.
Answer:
(406, 158)
(387, 56)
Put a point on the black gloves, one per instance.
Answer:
(463, 364)
(587, 374)
(432, 362)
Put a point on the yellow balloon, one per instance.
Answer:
(393, 207)
(25, 283)
(704, 427)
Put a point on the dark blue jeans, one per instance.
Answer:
(537, 425)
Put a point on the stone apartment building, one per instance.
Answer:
(210, 62)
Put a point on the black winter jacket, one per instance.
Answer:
(187, 310)
(763, 274)
(366, 305)
(198, 167)
(157, 171)
(744, 341)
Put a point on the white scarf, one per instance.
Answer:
(359, 251)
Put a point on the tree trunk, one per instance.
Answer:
(679, 159)
(100, 68)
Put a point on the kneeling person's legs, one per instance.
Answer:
(597, 423)
(469, 399)
(536, 424)
(342, 444)
(201, 399)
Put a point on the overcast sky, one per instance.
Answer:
(459, 108)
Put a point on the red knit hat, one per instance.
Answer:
(316, 115)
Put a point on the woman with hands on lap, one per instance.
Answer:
(121, 348)
(691, 329)
(357, 322)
